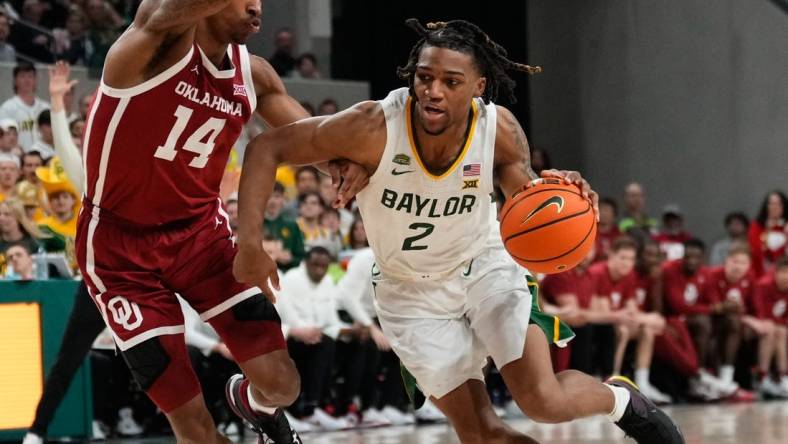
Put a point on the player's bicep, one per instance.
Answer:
(512, 154)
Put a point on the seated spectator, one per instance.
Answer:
(357, 237)
(329, 222)
(687, 339)
(24, 107)
(736, 225)
(672, 236)
(768, 233)
(105, 25)
(9, 175)
(9, 142)
(310, 208)
(770, 301)
(281, 227)
(63, 199)
(19, 263)
(328, 107)
(282, 59)
(614, 284)
(728, 290)
(33, 198)
(31, 41)
(636, 222)
(306, 67)
(307, 304)
(7, 51)
(44, 144)
(17, 228)
(307, 179)
(607, 229)
(72, 43)
(85, 102)
(77, 130)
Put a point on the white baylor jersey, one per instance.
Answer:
(422, 226)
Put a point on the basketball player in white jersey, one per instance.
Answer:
(446, 292)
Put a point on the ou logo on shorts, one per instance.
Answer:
(125, 313)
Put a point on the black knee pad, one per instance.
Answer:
(256, 308)
(147, 361)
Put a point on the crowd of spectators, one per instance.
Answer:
(644, 303)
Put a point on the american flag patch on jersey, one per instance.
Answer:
(472, 169)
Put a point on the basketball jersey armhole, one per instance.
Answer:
(246, 72)
(150, 83)
(393, 114)
(491, 122)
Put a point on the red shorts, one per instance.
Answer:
(133, 273)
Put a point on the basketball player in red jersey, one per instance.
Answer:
(177, 88)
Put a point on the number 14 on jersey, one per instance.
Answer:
(194, 143)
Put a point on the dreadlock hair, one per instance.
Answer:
(465, 37)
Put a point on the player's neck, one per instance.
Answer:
(437, 150)
(213, 48)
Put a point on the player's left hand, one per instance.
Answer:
(349, 178)
(574, 177)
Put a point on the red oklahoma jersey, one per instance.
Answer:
(617, 292)
(769, 301)
(683, 294)
(155, 153)
(718, 289)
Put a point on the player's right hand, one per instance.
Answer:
(254, 266)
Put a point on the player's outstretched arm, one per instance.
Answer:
(513, 160)
(357, 134)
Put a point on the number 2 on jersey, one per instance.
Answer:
(408, 243)
(194, 143)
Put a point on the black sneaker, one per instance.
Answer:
(273, 429)
(643, 421)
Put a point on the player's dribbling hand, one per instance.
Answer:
(254, 266)
(574, 177)
(349, 178)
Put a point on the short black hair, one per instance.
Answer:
(33, 153)
(279, 188)
(307, 194)
(307, 56)
(696, 243)
(23, 67)
(737, 215)
(314, 251)
(45, 118)
(611, 202)
(466, 37)
(624, 243)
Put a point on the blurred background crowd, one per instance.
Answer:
(688, 316)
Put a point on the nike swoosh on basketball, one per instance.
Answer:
(558, 201)
(397, 173)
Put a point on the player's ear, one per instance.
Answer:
(481, 84)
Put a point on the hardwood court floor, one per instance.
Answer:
(761, 423)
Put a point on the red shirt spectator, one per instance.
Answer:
(616, 291)
(770, 297)
(682, 286)
(607, 229)
(768, 233)
(722, 287)
(672, 236)
(577, 282)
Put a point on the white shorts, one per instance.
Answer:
(443, 352)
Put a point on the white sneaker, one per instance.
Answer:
(352, 419)
(32, 438)
(771, 389)
(299, 425)
(429, 413)
(698, 388)
(397, 417)
(323, 421)
(98, 430)
(373, 418)
(127, 426)
(657, 397)
(723, 389)
(784, 385)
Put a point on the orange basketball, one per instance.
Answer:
(549, 228)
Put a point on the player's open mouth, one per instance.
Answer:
(254, 24)
(432, 111)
